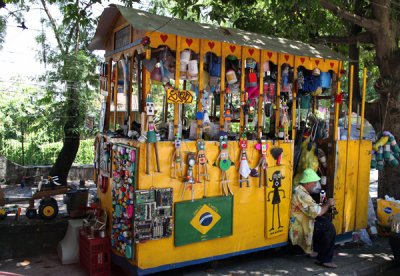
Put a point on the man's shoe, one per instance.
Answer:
(329, 265)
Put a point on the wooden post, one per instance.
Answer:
(108, 99)
(115, 96)
(261, 96)
(350, 103)
(201, 88)
(278, 97)
(177, 81)
(242, 91)
(337, 106)
(294, 101)
(364, 89)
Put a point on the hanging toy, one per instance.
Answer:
(224, 163)
(151, 134)
(177, 158)
(228, 111)
(189, 179)
(285, 122)
(206, 102)
(244, 169)
(202, 162)
(262, 164)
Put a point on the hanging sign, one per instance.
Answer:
(177, 96)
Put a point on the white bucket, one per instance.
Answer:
(185, 56)
(231, 77)
(183, 70)
(193, 69)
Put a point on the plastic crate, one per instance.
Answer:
(95, 254)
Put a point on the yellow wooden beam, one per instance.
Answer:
(350, 103)
(364, 89)
(278, 96)
(242, 91)
(337, 105)
(294, 101)
(200, 82)
(177, 81)
(260, 97)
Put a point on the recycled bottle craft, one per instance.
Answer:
(262, 163)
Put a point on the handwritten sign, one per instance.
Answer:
(179, 96)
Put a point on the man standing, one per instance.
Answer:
(309, 229)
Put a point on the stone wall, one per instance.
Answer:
(13, 173)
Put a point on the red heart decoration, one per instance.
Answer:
(317, 62)
(287, 57)
(269, 54)
(189, 41)
(251, 51)
(331, 64)
(164, 37)
(302, 60)
(232, 47)
(211, 44)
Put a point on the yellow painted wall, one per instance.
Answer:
(250, 219)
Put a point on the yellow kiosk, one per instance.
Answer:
(196, 155)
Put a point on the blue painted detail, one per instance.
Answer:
(388, 210)
(206, 219)
(199, 261)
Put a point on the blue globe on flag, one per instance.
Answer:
(206, 219)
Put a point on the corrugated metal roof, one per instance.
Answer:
(146, 21)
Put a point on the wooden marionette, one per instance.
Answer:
(285, 121)
(177, 158)
(244, 169)
(151, 134)
(189, 179)
(263, 164)
(202, 161)
(224, 163)
(246, 109)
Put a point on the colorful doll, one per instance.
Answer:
(177, 158)
(206, 102)
(224, 163)
(189, 179)
(151, 133)
(244, 169)
(285, 122)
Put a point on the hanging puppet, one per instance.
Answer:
(206, 102)
(189, 179)
(224, 163)
(244, 169)
(276, 199)
(262, 164)
(151, 134)
(285, 121)
(177, 158)
(202, 160)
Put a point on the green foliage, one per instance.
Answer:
(39, 154)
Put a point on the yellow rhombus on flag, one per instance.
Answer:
(205, 219)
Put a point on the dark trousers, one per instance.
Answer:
(324, 239)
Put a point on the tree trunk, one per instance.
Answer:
(71, 143)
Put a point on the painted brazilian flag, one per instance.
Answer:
(203, 219)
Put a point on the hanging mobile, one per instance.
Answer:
(177, 158)
(224, 163)
(244, 169)
(202, 163)
(151, 134)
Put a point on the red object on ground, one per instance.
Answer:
(95, 254)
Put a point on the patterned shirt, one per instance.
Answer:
(303, 212)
